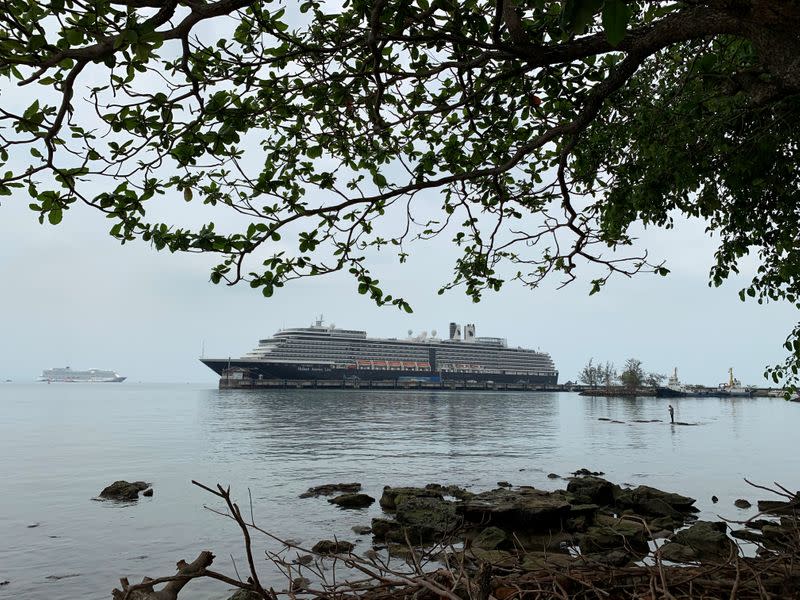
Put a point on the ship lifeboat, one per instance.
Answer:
(395, 364)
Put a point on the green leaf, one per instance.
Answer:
(55, 216)
(616, 15)
(73, 36)
(577, 14)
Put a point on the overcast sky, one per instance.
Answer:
(71, 295)
(74, 296)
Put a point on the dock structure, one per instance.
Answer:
(237, 378)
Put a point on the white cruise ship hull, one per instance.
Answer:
(68, 375)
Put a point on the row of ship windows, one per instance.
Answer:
(408, 351)
(382, 355)
(450, 370)
(330, 345)
(484, 365)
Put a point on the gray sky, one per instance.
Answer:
(74, 296)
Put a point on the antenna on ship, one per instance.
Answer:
(203, 349)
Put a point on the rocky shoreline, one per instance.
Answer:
(592, 539)
(592, 519)
(591, 527)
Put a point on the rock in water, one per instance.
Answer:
(591, 490)
(124, 490)
(331, 488)
(332, 547)
(778, 507)
(585, 471)
(361, 529)
(652, 502)
(352, 500)
(708, 540)
(521, 508)
(742, 503)
(677, 553)
(748, 535)
(390, 495)
(613, 534)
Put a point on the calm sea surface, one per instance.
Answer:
(61, 444)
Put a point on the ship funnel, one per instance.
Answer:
(469, 332)
(455, 331)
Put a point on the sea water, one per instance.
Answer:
(60, 444)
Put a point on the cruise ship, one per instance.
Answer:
(67, 375)
(327, 352)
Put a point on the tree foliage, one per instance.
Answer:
(608, 374)
(590, 374)
(632, 376)
(654, 379)
(595, 375)
(533, 134)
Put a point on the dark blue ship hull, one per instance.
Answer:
(261, 370)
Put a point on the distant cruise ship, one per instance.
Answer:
(325, 352)
(68, 375)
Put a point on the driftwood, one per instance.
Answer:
(174, 584)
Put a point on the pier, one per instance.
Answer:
(235, 381)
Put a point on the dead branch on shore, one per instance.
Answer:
(446, 572)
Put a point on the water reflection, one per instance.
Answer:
(297, 425)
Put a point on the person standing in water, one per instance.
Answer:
(671, 414)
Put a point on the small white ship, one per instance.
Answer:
(674, 387)
(67, 375)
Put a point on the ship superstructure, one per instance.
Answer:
(67, 375)
(326, 352)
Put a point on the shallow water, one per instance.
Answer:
(61, 444)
